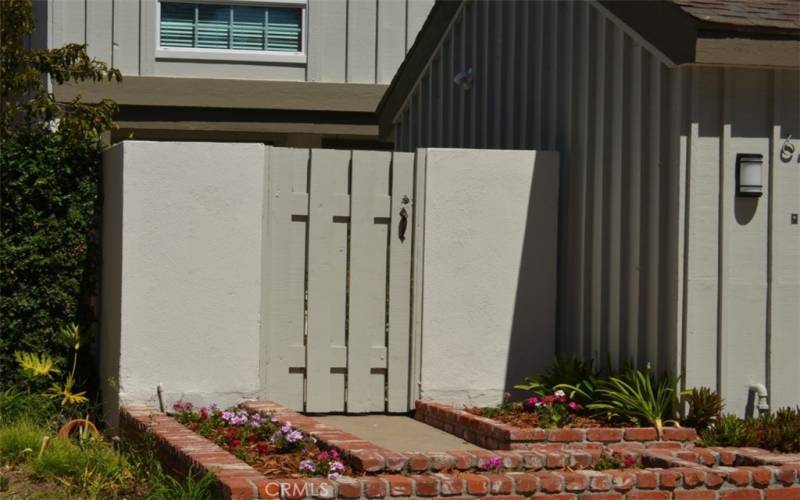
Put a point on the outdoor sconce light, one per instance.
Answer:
(748, 175)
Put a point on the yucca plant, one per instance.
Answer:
(705, 408)
(634, 396)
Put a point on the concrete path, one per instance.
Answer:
(396, 433)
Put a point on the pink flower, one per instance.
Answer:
(494, 463)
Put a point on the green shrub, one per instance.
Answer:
(49, 195)
(705, 408)
(20, 440)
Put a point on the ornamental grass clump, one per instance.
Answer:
(634, 396)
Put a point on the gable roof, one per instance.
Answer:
(729, 32)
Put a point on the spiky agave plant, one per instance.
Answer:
(705, 408)
(634, 395)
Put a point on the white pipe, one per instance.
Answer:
(763, 397)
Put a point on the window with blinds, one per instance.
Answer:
(230, 27)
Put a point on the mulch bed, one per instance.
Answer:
(250, 436)
(518, 417)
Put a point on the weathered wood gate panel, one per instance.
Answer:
(337, 279)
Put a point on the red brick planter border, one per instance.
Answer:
(739, 473)
(493, 435)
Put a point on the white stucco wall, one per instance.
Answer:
(489, 278)
(182, 271)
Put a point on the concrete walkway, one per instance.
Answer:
(396, 433)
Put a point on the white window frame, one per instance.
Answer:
(233, 55)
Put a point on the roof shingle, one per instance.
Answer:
(783, 14)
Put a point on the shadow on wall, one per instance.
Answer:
(745, 209)
(532, 342)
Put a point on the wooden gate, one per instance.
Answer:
(336, 334)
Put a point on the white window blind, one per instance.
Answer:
(230, 27)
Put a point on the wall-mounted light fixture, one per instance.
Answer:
(748, 175)
(464, 79)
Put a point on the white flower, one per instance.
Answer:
(559, 393)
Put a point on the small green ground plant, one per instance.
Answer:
(779, 431)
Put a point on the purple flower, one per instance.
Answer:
(308, 466)
(235, 418)
(294, 436)
(286, 428)
(337, 467)
(333, 475)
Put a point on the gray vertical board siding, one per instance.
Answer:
(585, 85)
(328, 61)
(416, 13)
(69, 22)
(391, 42)
(99, 28)
(746, 120)
(361, 41)
(283, 275)
(703, 228)
(125, 43)
(784, 283)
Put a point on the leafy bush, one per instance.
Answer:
(49, 194)
(705, 408)
(572, 371)
(20, 439)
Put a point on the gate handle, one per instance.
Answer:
(401, 228)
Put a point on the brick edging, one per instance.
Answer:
(494, 435)
(181, 449)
